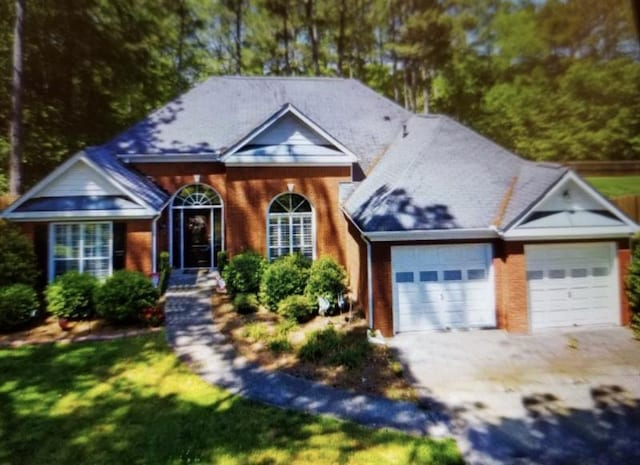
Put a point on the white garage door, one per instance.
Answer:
(442, 286)
(572, 284)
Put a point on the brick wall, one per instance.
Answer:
(513, 284)
(139, 246)
(382, 288)
(624, 259)
(356, 250)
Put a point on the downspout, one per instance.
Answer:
(154, 244)
(369, 283)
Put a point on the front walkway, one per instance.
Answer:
(191, 332)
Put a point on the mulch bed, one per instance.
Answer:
(374, 376)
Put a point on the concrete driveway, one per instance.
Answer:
(560, 397)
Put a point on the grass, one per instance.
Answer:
(615, 186)
(133, 401)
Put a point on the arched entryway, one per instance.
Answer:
(197, 230)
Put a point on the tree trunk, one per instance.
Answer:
(341, 37)
(312, 29)
(15, 129)
(238, 15)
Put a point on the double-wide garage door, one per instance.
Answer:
(572, 284)
(442, 286)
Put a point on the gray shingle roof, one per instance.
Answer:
(222, 110)
(439, 174)
(131, 179)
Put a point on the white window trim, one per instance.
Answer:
(81, 259)
(289, 216)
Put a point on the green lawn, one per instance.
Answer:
(132, 402)
(615, 186)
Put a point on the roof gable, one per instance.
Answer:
(571, 208)
(289, 137)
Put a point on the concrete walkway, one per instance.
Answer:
(191, 332)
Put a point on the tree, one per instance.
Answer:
(15, 131)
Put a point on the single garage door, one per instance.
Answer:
(572, 284)
(442, 286)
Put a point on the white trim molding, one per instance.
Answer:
(432, 235)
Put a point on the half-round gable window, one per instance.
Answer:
(197, 195)
(290, 226)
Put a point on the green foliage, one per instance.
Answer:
(616, 186)
(297, 307)
(327, 279)
(633, 278)
(256, 331)
(124, 296)
(222, 260)
(165, 272)
(279, 345)
(282, 278)
(246, 303)
(71, 295)
(330, 347)
(18, 304)
(17, 258)
(243, 273)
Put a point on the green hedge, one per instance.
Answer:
(326, 279)
(18, 305)
(243, 273)
(297, 307)
(71, 295)
(17, 258)
(124, 296)
(282, 278)
(246, 303)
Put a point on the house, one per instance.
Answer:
(437, 226)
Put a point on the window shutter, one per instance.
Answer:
(119, 245)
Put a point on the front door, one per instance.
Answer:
(197, 238)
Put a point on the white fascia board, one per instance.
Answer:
(432, 235)
(285, 110)
(263, 161)
(597, 196)
(168, 158)
(552, 234)
(80, 215)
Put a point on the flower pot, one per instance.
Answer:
(64, 323)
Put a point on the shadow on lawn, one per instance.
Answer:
(80, 404)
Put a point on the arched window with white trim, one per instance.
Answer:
(290, 226)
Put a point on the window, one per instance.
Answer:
(427, 276)
(600, 271)
(84, 247)
(404, 277)
(290, 226)
(476, 274)
(535, 275)
(452, 275)
(557, 274)
(579, 272)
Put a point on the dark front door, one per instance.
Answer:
(197, 238)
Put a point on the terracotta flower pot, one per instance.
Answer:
(64, 323)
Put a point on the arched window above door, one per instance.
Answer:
(197, 195)
(290, 226)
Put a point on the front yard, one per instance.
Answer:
(132, 401)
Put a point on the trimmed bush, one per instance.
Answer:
(633, 286)
(246, 303)
(71, 295)
(326, 279)
(222, 260)
(18, 304)
(282, 278)
(17, 258)
(165, 272)
(243, 273)
(124, 296)
(296, 307)
(329, 347)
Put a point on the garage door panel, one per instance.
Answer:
(452, 287)
(571, 284)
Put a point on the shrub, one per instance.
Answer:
(330, 347)
(153, 316)
(279, 344)
(243, 273)
(124, 296)
(256, 331)
(165, 272)
(633, 287)
(246, 303)
(326, 279)
(282, 278)
(17, 258)
(222, 260)
(296, 307)
(18, 304)
(71, 295)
